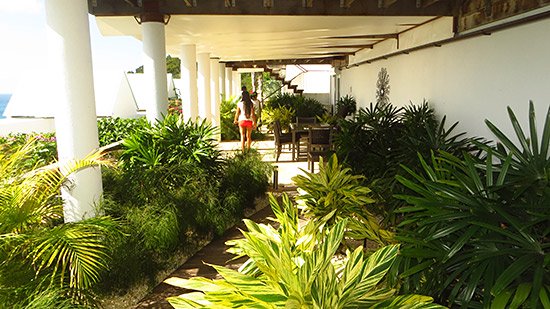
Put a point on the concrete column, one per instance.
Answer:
(215, 90)
(205, 111)
(222, 81)
(70, 66)
(229, 82)
(189, 93)
(236, 83)
(154, 68)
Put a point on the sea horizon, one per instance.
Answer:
(4, 99)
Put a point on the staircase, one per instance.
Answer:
(276, 74)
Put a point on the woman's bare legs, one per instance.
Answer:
(243, 132)
(248, 137)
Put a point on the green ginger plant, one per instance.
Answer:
(335, 193)
(294, 266)
(40, 256)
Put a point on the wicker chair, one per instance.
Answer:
(280, 138)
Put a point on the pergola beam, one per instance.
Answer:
(264, 63)
(272, 7)
(367, 36)
(356, 46)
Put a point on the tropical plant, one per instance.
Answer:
(294, 267)
(43, 152)
(171, 142)
(175, 106)
(115, 129)
(284, 115)
(166, 208)
(244, 171)
(346, 106)
(371, 140)
(382, 138)
(229, 130)
(334, 194)
(476, 231)
(39, 254)
(297, 106)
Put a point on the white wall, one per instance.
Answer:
(34, 125)
(469, 80)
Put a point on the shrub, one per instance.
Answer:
(476, 231)
(169, 143)
(111, 130)
(279, 108)
(245, 178)
(381, 138)
(43, 152)
(41, 256)
(162, 195)
(229, 130)
(294, 267)
(334, 194)
(346, 106)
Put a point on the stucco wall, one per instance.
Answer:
(469, 80)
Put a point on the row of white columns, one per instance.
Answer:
(205, 82)
(70, 59)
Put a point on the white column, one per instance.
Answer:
(154, 68)
(236, 83)
(189, 93)
(203, 60)
(222, 81)
(229, 82)
(70, 65)
(215, 91)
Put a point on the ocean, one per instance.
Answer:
(4, 99)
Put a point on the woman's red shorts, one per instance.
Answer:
(245, 123)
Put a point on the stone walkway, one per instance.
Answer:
(215, 251)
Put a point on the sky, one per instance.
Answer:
(23, 44)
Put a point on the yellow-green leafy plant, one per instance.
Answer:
(337, 194)
(294, 266)
(39, 254)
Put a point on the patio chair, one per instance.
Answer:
(301, 137)
(319, 145)
(280, 138)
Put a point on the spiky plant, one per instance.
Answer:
(38, 251)
(476, 231)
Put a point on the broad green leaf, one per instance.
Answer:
(511, 273)
(522, 293)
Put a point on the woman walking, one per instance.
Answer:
(246, 119)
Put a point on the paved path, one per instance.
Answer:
(215, 252)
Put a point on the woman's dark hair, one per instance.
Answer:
(247, 102)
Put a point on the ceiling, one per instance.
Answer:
(269, 37)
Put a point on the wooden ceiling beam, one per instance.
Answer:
(265, 63)
(427, 3)
(360, 46)
(386, 3)
(367, 36)
(273, 7)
